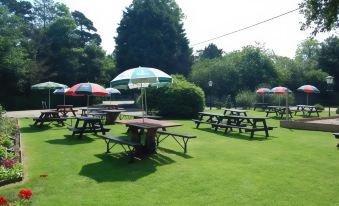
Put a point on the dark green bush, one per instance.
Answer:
(319, 107)
(181, 99)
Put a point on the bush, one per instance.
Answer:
(245, 99)
(274, 99)
(319, 107)
(181, 99)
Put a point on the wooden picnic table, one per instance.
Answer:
(235, 112)
(211, 118)
(112, 115)
(49, 116)
(90, 125)
(306, 108)
(149, 127)
(247, 123)
(260, 105)
(65, 109)
(279, 111)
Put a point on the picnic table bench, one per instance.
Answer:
(130, 145)
(235, 112)
(306, 109)
(238, 122)
(211, 118)
(65, 109)
(49, 116)
(185, 138)
(90, 125)
(279, 111)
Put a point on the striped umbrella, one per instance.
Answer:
(111, 91)
(49, 86)
(280, 90)
(263, 91)
(308, 89)
(141, 77)
(87, 89)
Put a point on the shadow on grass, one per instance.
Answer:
(71, 140)
(242, 136)
(34, 128)
(116, 167)
(170, 151)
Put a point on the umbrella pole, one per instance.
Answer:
(142, 104)
(307, 99)
(87, 100)
(263, 98)
(279, 99)
(146, 102)
(49, 98)
(64, 99)
(287, 110)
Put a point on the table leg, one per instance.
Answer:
(265, 127)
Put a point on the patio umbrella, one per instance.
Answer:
(61, 91)
(280, 90)
(141, 77)
(308, 89)
(263, 91)
(111, 91)
(88, 89)
(49, 86)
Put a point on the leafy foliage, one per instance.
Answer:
(245, 99)
(151, 34)
(210, 52)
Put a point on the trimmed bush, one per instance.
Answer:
(245, 99)
(319, 107)
(181, 99)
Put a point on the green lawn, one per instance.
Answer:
(291, 167)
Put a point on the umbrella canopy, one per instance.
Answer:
(49, 86)
(112, 91)
(280, 90)
(263, 91)
(89, 89)
(140, 77)
(308, 89)
(61, 91)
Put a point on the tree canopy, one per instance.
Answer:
(151, 34)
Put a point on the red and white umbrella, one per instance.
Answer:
(87, 89)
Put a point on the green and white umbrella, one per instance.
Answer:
(49, 86)
(141, 77)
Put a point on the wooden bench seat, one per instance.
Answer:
(198, 122)
(130, 149)
(89, 130)
(227, 126)
(185, 138)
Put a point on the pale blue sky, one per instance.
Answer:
(206, 19)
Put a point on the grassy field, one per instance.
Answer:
(291, 167)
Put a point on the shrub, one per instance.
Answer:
(6, 141)
(245, 99)
(180, 99)
(3, 152)
(319, 107)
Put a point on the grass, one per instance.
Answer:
(291, 167)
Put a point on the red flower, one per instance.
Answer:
(8, 163)
(3, 201)
(25, 194)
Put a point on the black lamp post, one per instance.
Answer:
(329, 81)
(210, 84)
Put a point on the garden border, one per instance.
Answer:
(304, 124)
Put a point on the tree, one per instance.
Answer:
(44, 11)
(85, 29)
(320, 15)
(328, 57)
(210, 52)
(307, 54)
(151, 34)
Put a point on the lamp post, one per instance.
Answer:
(329, 81)
(210, 84)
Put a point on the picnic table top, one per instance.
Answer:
(148, 123)
(305, 106)
(210, 114)
(245, 117)
(113, 110)
(64, 106)
(235, 110)
(88, 118)
(49, 112)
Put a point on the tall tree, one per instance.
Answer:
(210, 52)
(44, 11)
(85, 29)
(320, 15)
(151, 34)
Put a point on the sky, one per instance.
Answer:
(206, 19)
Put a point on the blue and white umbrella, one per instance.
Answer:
(111, 91)
(61, 91)
(141, 77)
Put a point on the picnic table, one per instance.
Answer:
(279, 111)
(247, 123)
(260, 105)
(49, 116)
(65, 109)
(112, 115)
(306, 109)
(89, 125)
(149, 127)
(235, 112)
(206, 118)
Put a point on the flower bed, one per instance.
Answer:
(11, 169)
